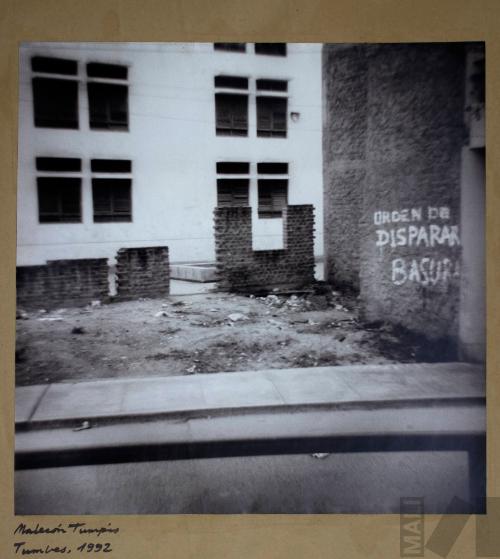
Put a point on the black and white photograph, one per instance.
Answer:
(250, 278)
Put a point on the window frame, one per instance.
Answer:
(273, 130)
(111, 174)
(108, 96)
(271, 49)
(231, 47)
(239, 94)
(271, 173)
(235, 176)
(54, 84)
(44, 182)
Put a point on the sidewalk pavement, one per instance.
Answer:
(362, 387)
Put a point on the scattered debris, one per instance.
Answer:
(20, 314)
(84, 425)
(51, 318)
(191, 370)
(95, 303)
(161, 313)
(235, 317)
(78, 330)
(320, 455)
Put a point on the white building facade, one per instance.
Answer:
(125, 145)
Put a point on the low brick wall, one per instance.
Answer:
(239, 268)
(142, 272)
(62, 283)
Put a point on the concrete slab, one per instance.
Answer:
(80, 400)
(239, 390)
(358, 385)
(27, 400)
(156, 395)
(203, 272)
(321, 385)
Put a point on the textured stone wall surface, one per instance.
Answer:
(62, 283)
(392, 147)
(142, 272)
(239, 268)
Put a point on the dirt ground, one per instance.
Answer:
(198, 334)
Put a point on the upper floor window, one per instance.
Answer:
(273, 49)
(231, 106)
(108, 96)
(232, 47)
(55, 99)
(272, 109)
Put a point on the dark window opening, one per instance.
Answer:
(273, 197)
(231, 114)
(271, 117)
(59, 199)
(234, 82)
(272, 85)
(274, 49)
(55, 103)
(112, 71)
(111, 165)
(108, 106)
(232, 47)
(50, 65)
(272, 168)
(58, 164)
(232, 168)
(112, 200)
(232, 192)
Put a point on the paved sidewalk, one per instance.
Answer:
(342, 387)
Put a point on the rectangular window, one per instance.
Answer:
(55, 102)
(111, 199)
(233, 82)
(232, 47)
(59, 199)
(232, 192)
(111, 165)
(111, 71)
(108, 106)
(232, 168)
(272, 85)
(48, 65)
(231, 114)
(273, 49)
(273, 197)
(58, 164)
(272, 168)
(271, 117)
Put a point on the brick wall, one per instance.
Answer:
(142, 272)
(392, 150)
(239, 268)
(62, 283)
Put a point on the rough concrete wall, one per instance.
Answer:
(142, 272)
(345, 96)
(239, 268)
(414, 140)
(406, 185)
(62, 283)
